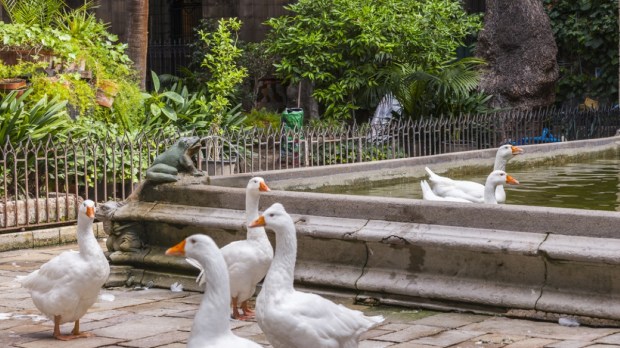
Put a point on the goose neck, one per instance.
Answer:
(211, 320)
(489, 193)
(281, 272)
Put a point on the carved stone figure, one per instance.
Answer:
(125, 236)
(177, 158)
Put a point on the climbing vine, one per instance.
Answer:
(586, 32)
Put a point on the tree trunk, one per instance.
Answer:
(138, 36)
(518, 44)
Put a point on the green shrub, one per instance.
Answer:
(339, 45)
(586, 33)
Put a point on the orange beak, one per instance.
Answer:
(517, 150)
(511, 180)
(90, 212)
(177, 250)
(258, 222)
(263, 187)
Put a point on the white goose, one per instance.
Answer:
(429, 195)
(293, 319)
(469, 190)
(211, 328)
(65, 287)
(248, 260)
(494, 180)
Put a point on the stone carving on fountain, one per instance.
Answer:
(128, 240)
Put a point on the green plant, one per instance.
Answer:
(339, 45)
(259, 64)
(586, 32)
(30, 12)
(220, 62)
(165, 106)
(448, 90)
(18, 122)
(21, 69)
(77, 92)
(262, 118)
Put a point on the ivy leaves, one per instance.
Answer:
(586, 32)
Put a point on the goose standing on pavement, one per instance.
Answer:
(65, 287)
(211, 328)
(248, 260)
(294, 319)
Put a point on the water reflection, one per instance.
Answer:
(590, 184)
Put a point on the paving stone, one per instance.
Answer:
(248, 330)
(132, 330)
(112, 321)
(392, 326)
(158, 340)
(90, 342)
(448, 338)
(409, 333)
(162, 319)
(531, 342)
(489, 341)
(611, 339)
(161, 308)
(375, 344)
(569, 344)
(373, 333)
(451, 320)
(539, 329)
(411, 345)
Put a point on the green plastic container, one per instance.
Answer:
(293, 118)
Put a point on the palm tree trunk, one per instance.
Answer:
(137, 36)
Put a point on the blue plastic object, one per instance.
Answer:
(546, 137)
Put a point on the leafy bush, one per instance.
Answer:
(586, 33)
(225, 75)
(262, 119)
(18, 122)
(448, 90)
(339, 45)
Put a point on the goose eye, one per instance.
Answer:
(193, 241)
(271, 214)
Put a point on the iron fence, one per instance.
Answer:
(42, 182)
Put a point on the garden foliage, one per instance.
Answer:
(586, 32)
(340, 45)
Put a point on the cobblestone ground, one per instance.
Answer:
(161, 318)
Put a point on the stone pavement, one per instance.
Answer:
(161, 318)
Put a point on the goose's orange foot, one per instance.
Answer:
(72, 337)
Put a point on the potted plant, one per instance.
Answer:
(12, 77)
(106, 92)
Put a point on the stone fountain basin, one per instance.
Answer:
(516, 260)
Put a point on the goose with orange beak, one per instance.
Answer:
(211, 327)
(65, 287)
(469, 190)
(496, 179)
(248, 260)
(294, 319)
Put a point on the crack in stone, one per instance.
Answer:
(545, 259)
(368, 253)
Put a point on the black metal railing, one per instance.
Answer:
(41, 183)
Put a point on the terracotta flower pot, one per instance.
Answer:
(8, 85)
